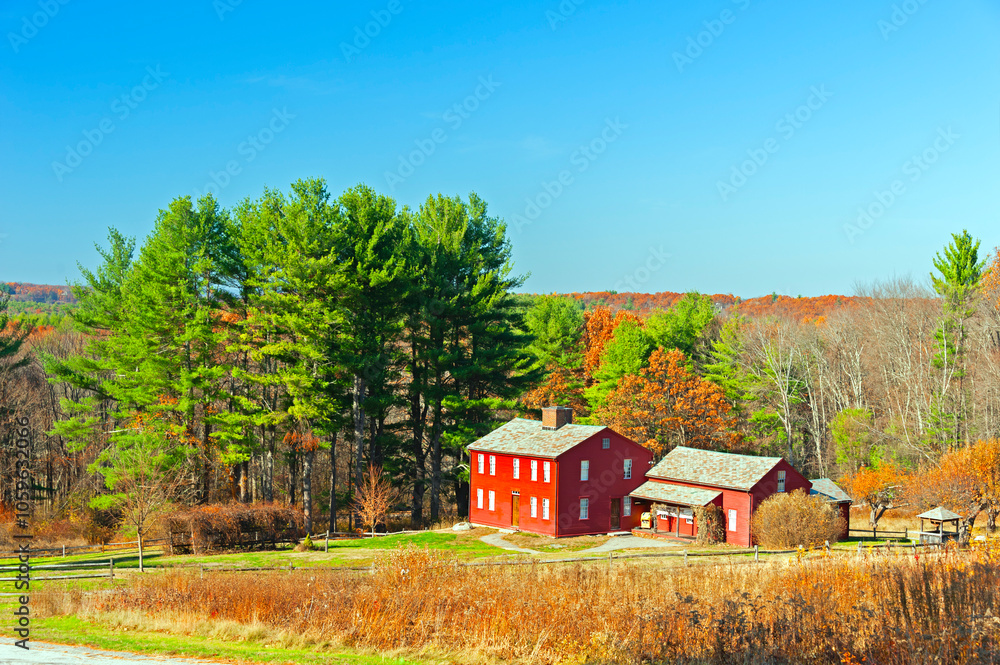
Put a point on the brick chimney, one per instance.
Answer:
(554, 417)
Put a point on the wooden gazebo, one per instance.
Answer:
(938, 518)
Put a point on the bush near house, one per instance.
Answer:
(788, 520)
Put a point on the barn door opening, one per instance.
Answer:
(515, 513)
(616, 514)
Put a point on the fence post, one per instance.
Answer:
(326, 548)
(685, 557)
(859, 548)
(111, 568)
(906, 533)
(64, 551)
(756, 554)
(826, 546)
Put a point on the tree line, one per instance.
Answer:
(275, 350)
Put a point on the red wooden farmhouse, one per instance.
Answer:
(555, 477)
(736, 484)
(558, 478)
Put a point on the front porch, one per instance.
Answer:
(653, 534)
(672, 510)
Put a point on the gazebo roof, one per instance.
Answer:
(939, 514)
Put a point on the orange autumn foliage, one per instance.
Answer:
(599, 327)
(669, 406)
(879, 488)
(562, 387)
(965, 481)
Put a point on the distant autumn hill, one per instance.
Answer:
(37, 293)
(774, 305)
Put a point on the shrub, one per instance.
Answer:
(234, 525)
(788, 520)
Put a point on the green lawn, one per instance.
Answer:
(343, 553)
(72, 630)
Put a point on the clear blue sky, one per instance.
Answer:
(666, 120)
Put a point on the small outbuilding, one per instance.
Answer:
(832, 493)
(690, 478)
(938, 518)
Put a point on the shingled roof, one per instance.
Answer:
(829, 490)
(526, 437)
(707, 467)
(677, 495)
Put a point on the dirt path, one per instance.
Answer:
(497, 540)
(629, 543)
(41, 653)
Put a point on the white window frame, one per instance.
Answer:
(606, 443)
(545, 509)
(517, 468)
(584, 508)
(584, 470)
(493, 501)
(547, 472)
(479, 498)
(628, 469)
(534, 506)
(781, 481)
(626, 506)
(534, 470)
(493, 465)
(482, 463)
(732, 520)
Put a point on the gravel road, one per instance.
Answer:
(57, 654)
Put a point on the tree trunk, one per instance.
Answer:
(267, 473)
(333, 484)
(436, 427)
(359, 432)
(307, 467)
(235, 487)
(139, 533)
(244, 481)
(293, 477)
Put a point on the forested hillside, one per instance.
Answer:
(273, 351)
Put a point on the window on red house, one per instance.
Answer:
(517, 468)
(732, 520)
(534, 470)
(628, 469)
(493, 500)
(493, 465)
(534, 506)
(627, 506)
(584, 470)
(606, 443)
(547, 471)
(482, 462)
(781, 481)
(545, 509)
(479, 499)
(584, 509)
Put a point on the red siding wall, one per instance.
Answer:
(504, 484)
(607, 482)
(565, 490)
(845, 512)
(746, 503)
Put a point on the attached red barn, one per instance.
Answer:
(832, 493)
(556, 478)
(688, 478)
